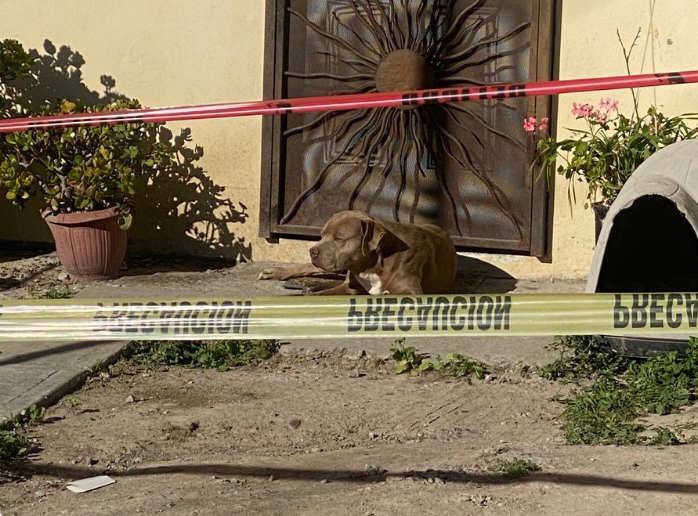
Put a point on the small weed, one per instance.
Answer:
(666, 437)
(664, 383)
(460, 366)
(53, 292)
(516, 467)
(407, 358)
(13, 446)
(222, 354)
(601, 413)
(34, 415)
(72, 401)
(580, 358)
(455, 365)
(621, 390)
(11, 422)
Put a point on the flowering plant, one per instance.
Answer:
(608, 149)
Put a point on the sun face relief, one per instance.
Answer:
(403, 70)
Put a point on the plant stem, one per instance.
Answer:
(626, 56)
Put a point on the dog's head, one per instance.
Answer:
(352, 240)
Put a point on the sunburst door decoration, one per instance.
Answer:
(403, 45)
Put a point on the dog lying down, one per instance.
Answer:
(379, 257)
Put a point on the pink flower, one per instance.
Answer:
(529, 124)
(648, 121)
(582, 110)
(543, 125)
(609, 104)
(600, 116)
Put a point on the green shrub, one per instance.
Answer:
(77, 169)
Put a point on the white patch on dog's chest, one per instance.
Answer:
(372, 283)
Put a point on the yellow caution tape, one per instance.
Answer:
(346, 317)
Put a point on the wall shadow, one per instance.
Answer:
(180, 209)
(57, 75)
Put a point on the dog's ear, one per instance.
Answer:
(368, 242)
(375, 237)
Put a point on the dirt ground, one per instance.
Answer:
(27, 275)
(317, 435)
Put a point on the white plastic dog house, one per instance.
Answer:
(649, 239)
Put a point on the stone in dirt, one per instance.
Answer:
(372, 469)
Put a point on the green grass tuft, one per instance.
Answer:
(605, 411)
(222, 354)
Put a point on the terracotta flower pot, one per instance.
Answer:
(90, 244)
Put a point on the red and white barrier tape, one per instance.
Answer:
(349, 102)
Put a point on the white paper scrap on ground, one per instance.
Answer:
(89, 484)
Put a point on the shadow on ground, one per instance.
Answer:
(473, 276)
(339, 475)
(55, 349)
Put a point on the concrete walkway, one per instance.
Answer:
(41, 373)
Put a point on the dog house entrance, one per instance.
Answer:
(651, 248)
(463, 166)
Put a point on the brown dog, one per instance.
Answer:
(380, 257)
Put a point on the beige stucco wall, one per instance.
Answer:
(179, 52)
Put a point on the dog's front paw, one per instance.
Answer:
(273, 273)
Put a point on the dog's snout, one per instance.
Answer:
(314, 252)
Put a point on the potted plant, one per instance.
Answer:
(608, 148)
(85, 177)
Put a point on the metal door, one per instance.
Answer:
(463, 166)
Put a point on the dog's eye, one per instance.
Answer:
(339, 241)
